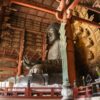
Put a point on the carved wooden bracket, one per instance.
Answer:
(65, 9)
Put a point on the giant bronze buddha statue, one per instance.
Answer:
(52, 64)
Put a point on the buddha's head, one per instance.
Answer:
(53, 32)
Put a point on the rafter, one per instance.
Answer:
(47, 9)
(10, 55)
(3, 68)
(91, 8)
(28, 19)
(8, 59)
(34, 5)
(33, 31)
(86, 21)
(5, 76)
(34, 15)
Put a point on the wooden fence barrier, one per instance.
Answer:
(34, 92)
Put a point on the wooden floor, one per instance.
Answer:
(25, 99)
(93, 98)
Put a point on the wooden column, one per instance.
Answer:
(63, 48)
(2, 15)
(44, 47)
(70, 53)
(66, 37)
(21, 53)
(67, 52)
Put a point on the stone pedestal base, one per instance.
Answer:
(67, 92)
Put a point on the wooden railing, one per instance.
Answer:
(33, 92)
(49, 92)
(87, 91)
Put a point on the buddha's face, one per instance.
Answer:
(51, 35)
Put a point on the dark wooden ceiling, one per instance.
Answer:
(23, 32)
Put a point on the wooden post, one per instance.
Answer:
(44, 47)
(63, 52)
(2, 12)
(66, 38)
(70, 53)
(21, 53)
(68, 71)
(67, 52)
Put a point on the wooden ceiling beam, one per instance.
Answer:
(8, 59)
(21, 29)
(86, 21)
(3, 68)
(33, 15)
(40, 7)
(34, 5)
(8, 52)
(2, 76)
(35, 24)
(90, 8)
